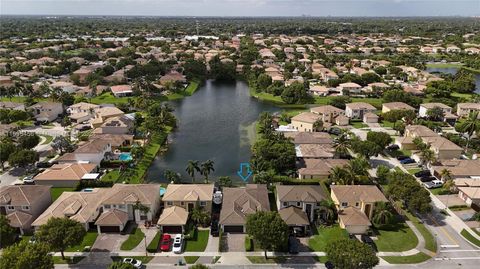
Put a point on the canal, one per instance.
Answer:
(453, 71)
(216, 123)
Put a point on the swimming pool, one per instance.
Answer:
(125, 156)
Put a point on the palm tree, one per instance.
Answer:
(198, 215)
(445, 174)
(342, 146)
(327, 211)
(192, 166)
(436, 113)
(470, 126)
(171, 176)
(340, 176)
(225, 181)
(206, 168)
(318, 125)
(358, 170)
(382, 213)
(427, 156)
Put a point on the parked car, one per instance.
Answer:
(393, 147)
(298, 232)
(402, 157)
(424, 173)
(407, 161)
(166, 242)
(178, 244)
(292, 245)
(28, 180)
(134, 262)
(335, 131)
(369, 241)
(44, 164)
(427, 179)
(433, 184)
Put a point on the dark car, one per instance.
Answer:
(44, 164)
(292, 245)
(369, 241)
(393, 147)
(427, 179)
(424, 173)
(335, 131)
(214, 228)
(407, 161)
(402, 157)
(329, 265)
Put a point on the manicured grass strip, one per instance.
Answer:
(414, 170)
(192, 87)
(68, 260)
(261, 259)
(133, 240)
(358, 124)
(48, 139)
(458, 207)
(56, 192)
(430, 242)
(321, 259)
(199, 243)
(470, 237)
(143, 259)
(270, 98)
(137, 174)
(397, 237)
(112, 175)
(417, 258)
(191, 259)
(109, 98)
(153, 246)
(88, 240)
(325, 236)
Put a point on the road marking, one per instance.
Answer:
(459, 250)
(457, 258)
(449, 246)
(442, 229)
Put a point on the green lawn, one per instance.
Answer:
(133, 240)
(56, 192)
(397, 237)
(430, 242)
(112, 175)
(199, 243)
(358, 124)
(399, 152)
(270, 98)
(467, 96)
(68, 260)
(414, 170)
(417, 258)
(261, 259)
(153, 245)
(191, 259)
(109, 98)
(192, 87)
(143, 259)
(325, 236)
(470, 237)
(440, 191)
(88, 240)
(387, 124)
(137, 174)
(48, 139)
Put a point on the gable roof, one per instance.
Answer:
(352, 216)
(301, 193)
(326, 109)
(360, 105)
(358, 193)
(174, 215)
(188, 192)
(18, 195)
(320, 167)
(114, 217)
(146, 194)
(312, 138)
(308, 117)
(239, 202)
(294, 216)
(69, 171)
(20, 219)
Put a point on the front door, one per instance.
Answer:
(308, 210)
(368, 208)
(190, 207)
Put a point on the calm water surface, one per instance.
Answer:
(215, 123)
(453, 71)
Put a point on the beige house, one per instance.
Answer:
(355, 205)
(358, 109)
(305, 197)
(93, 151)
(103, 113)
(116, 125)
(387, 107)
(370, 118)
(46, 111)
(64, 175)
(179, 200)
(468, 190)
(458, 168)
(464, 109)
(327, 113)
(238, 203)
(319, 168)
(22, 204)
(304, 122)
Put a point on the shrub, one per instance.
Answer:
(248, 244)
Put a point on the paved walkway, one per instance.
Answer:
(213, 244)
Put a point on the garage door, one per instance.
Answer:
(172, 229)
(233, 228)
(110, 229)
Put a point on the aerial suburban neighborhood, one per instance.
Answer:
(145, 142)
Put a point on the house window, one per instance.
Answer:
(169, 203)
(26, 207)
(298, 203)
(344, 204)
(318, 204)
(107, 206)
(10, 207)
(285, 203)
(182, 203)
(121, 206)
(357, 204)
(203, 203)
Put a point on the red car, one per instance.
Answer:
(166, 242)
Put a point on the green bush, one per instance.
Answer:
(248, 244)
(153, 246)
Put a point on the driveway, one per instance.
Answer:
(236, 242)
(108, 242)
(11, 176)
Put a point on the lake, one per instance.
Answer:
(453, 71)
(216, 123)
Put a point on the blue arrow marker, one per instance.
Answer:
(244, 171)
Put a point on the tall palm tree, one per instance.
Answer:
(470, 126)
(171, 176)
(206, 168)
(342, 146)
(318, 125)
(327, 211)
(427, 156)
(192, 166)
(358, 170)
(340, 176)
(446, 174)
(382, 213)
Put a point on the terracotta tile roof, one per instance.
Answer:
(174, 215)
(294, 216)
(239, 202)
(397, 106)
(321, 167)
(301, 193)
(22, 194)
(352, 216)
(358, 193)
(360, 105)
(188, 192)
(312, 138)
(308, 117)
(146, 194)
(20, 219)
(113, 217)
(66, 171)
(327, 109)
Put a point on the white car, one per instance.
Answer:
(177, 244)
(433, 184)
(28, 180)
(132, 261)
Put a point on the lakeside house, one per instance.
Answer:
(65, 175)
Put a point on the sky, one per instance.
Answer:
(243, 7)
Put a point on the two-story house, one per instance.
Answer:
(65, 175)
(93, 151)
(307, 198)
(447, 111)
(82, 111)
(238, 203)
(46, 111)
(358, 109)
(22, 204)
(179, 200)
(305, 122)
(355, 205)
(327, 113)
